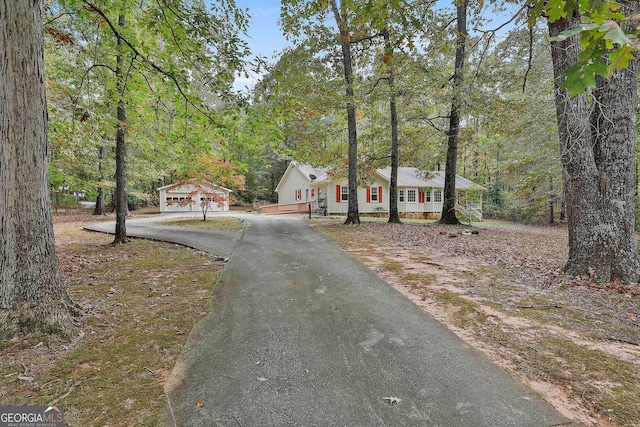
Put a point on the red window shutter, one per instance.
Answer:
(338, 193)
(368, 194)
(379, 194)
(421, 197)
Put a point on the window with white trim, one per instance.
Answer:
(427, 196)
(411, 196)
(344, 195)
(401, 196)
(374, 194)
(437, 196)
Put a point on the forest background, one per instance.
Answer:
(508, 134)
(143, 91)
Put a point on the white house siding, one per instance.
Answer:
(167, 194)
(174, 207)
(364, 205)
(302, 177)
(333, 205)
(373, 205)
(295, 182)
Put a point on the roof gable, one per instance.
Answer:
(310, 173)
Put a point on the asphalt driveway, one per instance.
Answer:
(302, 334)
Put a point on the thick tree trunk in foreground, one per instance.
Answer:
(597, 140)
(32, 297)
(121, 149)
(353, 213)
(449, 206)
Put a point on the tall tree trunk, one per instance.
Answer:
(449, 206)
(99, 208)
(597, 145)
(353, 214)
(393, 186)
(121, 148)
(32, 296)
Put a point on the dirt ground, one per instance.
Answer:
(112, 369)
(502, 291)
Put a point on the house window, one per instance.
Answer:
(298, 194)
(344, 195)
(411, 196)
(401, 196)
(427, 196)
(374, 195)
(437, 196)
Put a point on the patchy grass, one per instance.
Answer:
(393, 266)
(575, 343)
(466, 313)
(222, 223)
(419, 280)
(139, 300)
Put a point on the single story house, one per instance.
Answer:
(188, 196)
(419, 193)
(295, 184)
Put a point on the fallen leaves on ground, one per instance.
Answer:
(504, 291)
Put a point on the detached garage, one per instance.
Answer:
(190, 196)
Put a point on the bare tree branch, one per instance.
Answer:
(529, 60)
(150, 62)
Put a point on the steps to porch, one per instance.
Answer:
(469, 211)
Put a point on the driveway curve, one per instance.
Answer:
(302, 334)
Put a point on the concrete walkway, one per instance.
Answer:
(302, 334)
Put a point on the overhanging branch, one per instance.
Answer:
(150, 62)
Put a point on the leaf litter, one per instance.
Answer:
(127, 337)
(503, 291)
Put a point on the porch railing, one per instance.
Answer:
(289, 208)
(469, 210)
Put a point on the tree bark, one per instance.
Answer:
(121, 148)
(449, 206)
(597, 138)
(393, 185)
(99, 208)
(32, 296)
(353, 214)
